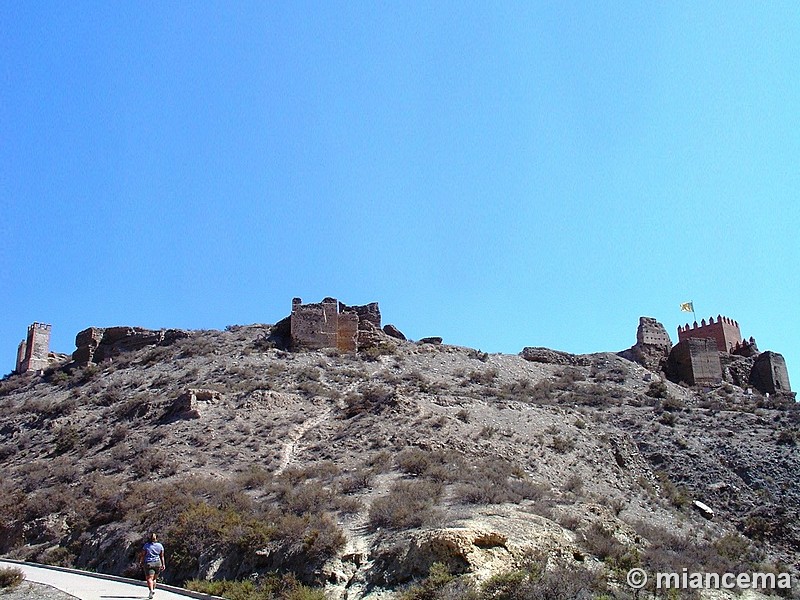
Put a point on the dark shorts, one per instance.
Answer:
(152, 568)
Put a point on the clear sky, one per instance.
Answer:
(499, 174)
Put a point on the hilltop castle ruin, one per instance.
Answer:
(708, 354)
(332, 324)
(724, 331)
(33, 352)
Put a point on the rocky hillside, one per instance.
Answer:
(427, 470)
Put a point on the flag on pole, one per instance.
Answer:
(687, 307)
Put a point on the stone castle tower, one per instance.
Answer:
(32, 352)
(724, 331)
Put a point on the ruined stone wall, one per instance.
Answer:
(368, 312)
(746, 348)
(32, 353)
(724, 331)
(652, 333)
(316, 325)
(652, 346)
(695, 361)
(736, 369)
(769, 373)
(332, 324)
(347, 332)
(21, 349)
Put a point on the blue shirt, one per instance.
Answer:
(152, 552)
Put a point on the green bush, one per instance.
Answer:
(66, 438)
(677, 495)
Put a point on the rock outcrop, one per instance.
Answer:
(190, 404)
(96, 344)
(552, 357)
(394, 332)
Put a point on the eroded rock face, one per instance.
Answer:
(736, 369)
(97, 344)
(458, 549)
(484, 546)
(461, 550)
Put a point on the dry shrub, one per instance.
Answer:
(534, 581)
(519, 390)
(494, 481)
(484, 377)
(270, 587)
(602, 543)
(12, 382)
(355, 482)
(370, 398)
(11, 577)
(443, 466)
(568, 378)
(309, 497)
(408, 504)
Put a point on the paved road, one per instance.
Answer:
(90, 587)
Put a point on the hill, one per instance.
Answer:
(422, 468)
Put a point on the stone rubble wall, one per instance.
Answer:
(96, 344)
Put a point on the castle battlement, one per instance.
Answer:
(724, 331)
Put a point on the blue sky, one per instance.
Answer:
(500, 174)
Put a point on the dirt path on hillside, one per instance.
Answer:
(289, 449)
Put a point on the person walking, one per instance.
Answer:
(152, 559)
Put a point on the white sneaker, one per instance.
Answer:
(151, 595)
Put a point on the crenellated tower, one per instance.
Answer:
(724, 331)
